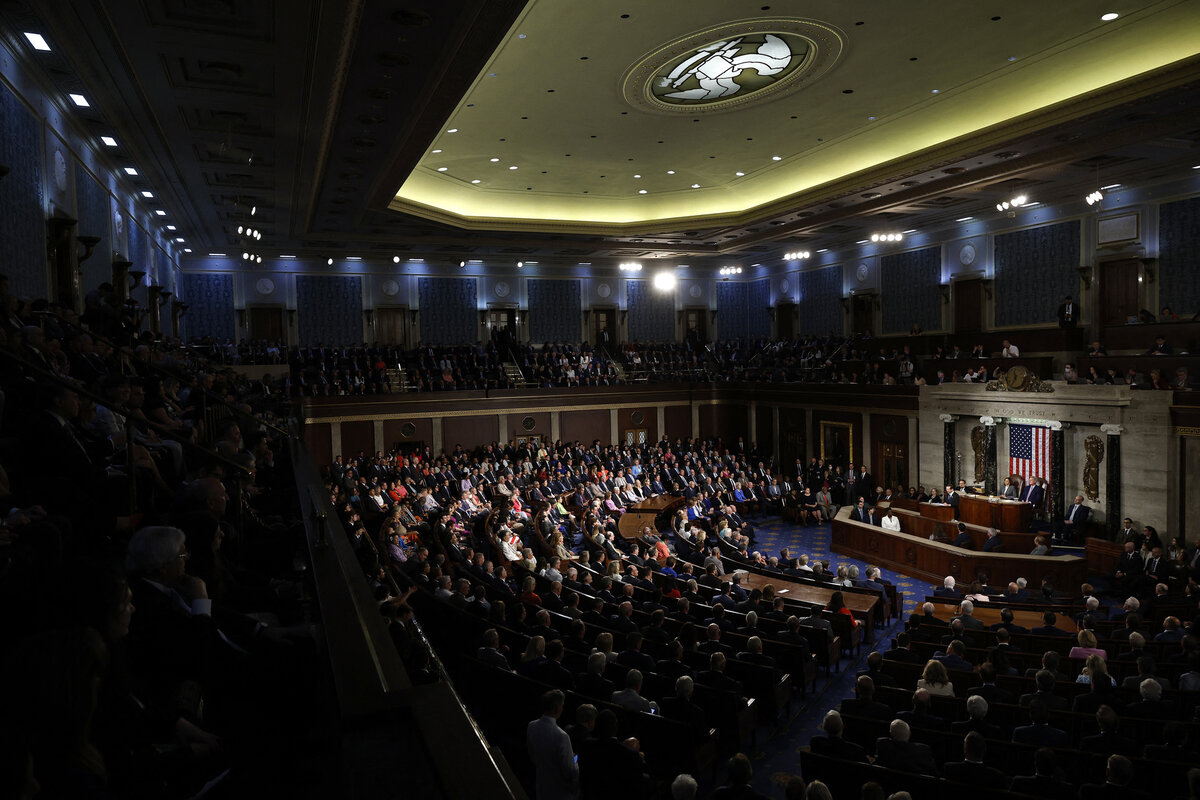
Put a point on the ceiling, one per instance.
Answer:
(325, 116)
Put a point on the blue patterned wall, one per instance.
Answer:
(139, 247)
(731, 310)
(22, 221)
(210, 306)
(93, 200)
(910, 290)
(651, 312)
(1179, 255)
(449, 310)
(554, 310)
(1035, 270)
(820, 299)
(758, 300)
(330, 309)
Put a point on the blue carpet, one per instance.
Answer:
(775, 759)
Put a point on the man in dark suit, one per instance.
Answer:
(864, 704)
(715, 676)
(1039, 732)
(592, 683)
(832, 744)
(895, 751)
(993, 543)
(1044, 696)
(902, 652)
(947, 589)
(988, 689)
(1006, 622)
(859, 512)
(1118, 777)
(977, 709)
(921, 715)
(964, 539)
(633, 657)
(953, 657)
(950, 498)
(1049, 626)
(971, 769)
(1108, 741)
(681, 708)
(1043, 783)
(1075, 519)
(1068, 313)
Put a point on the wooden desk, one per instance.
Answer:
(933, 561)
(1014, 542)
(652, 512)
(939, 511)
(1003, 515)
(861, 605)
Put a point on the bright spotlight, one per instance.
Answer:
(664, 281)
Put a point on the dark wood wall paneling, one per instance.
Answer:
(470, 432)
(316, 436)
(722, 419)
(678, 420)
(585, 426)
(891, 462)
(793, 437)
(541, 425)
(764, 429)
(394, 433)
(358, 435)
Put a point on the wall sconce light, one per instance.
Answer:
(1085, 275)
(89, 244)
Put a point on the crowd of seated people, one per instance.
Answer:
(1096, 694)
(525, 539)
(558, 364)
(148, 568)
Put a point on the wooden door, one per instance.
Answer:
(1119, 291)
(968, 306)
(785, 321)
(605, 330)
(391, 326)
(266, 323)
(862, 313)
(696, 325)
(891, 465)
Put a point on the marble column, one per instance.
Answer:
(1058, 473)
(989, 454)
(1112, 479)
(947, 450)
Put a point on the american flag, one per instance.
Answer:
(1028, 451)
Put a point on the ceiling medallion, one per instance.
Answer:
(724, 67)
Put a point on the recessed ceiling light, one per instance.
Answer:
(160, 212)
(870, 119)
(329, 262)
(147, 195)
(79, 100)
(452, 130)
(180, 239)
(777, 158)
(38, 41)
(437, 151)
(442, 169)
(1109, 17)
(670, 172)
(641, 191)
(861, 241)
(108, 140)
(823, 250)
(187, 249)
(130, 171)
(493, 160)
(354, 258)
(514, 166)
(521, 35)
(217, 255)
(695, 186)
(910, 230)
(1012, 58)
(475, 181)
(637, 176)
(964, 219)
(171, 228)
(288, 257)
(739, 174)
(1111, 186)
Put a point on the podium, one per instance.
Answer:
(995, 512)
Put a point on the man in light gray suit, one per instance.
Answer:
(550, 750)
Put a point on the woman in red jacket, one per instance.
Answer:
(838, 606)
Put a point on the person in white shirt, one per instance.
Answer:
(1009, 350)
(890, 522)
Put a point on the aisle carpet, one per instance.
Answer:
(774, 758)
